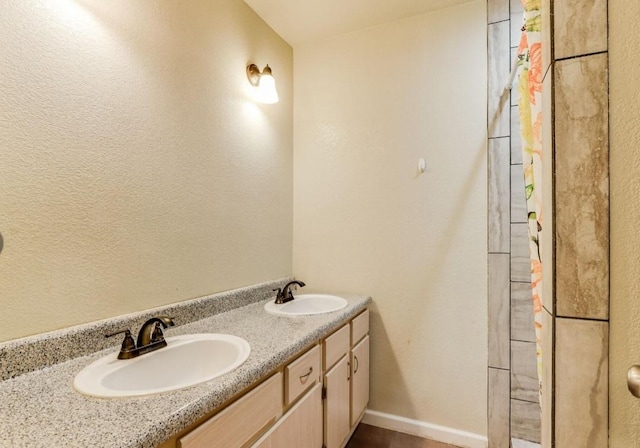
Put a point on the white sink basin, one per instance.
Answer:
(185, 361)
(307, 304)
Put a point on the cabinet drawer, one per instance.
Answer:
(336, 346)
(359, 327)
(241, 421)
(301, 374)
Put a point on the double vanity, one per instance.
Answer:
(314, 400)
(246, 376)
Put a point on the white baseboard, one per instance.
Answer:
(426, 430)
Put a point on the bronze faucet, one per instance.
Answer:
(150, 338)
(285, 295)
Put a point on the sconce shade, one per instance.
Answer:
(267, 89)
(265, 85)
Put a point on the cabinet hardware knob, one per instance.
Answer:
(633, 380)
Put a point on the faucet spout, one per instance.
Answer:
(287, 295)
(150, 332)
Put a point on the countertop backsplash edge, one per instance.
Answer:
(24, 355)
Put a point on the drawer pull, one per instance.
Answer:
(357, 364)
(305, 377)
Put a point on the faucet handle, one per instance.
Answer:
(279, 295)
(126, 332)
(157, 335)
(128, 344)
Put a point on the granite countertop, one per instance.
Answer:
(41, 408)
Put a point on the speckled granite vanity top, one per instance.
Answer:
(41, 408)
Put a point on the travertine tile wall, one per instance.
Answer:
(513, 386)
(576, 245)
(578, 72)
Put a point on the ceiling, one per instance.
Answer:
(301, 22)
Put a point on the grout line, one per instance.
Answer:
(548, 71)
(525, 401)
(581, 56)
(523, 340)
(591, 319)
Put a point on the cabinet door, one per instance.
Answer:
(301, 427)
(359, 379)
(336, 406)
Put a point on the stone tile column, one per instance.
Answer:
(579, 305)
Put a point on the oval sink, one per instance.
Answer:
(185, 361)
(307, 304)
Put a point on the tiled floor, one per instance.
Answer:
(367, 436)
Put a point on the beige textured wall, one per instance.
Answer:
(135, 170)
(624, 42)
(368, 105)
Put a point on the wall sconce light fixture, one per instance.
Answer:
(265, 85)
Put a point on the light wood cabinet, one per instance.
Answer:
(359, 379)
(322, 393)
(347, 382)
(301, 374)
(335, 347)
(301, 427)
(359, 327)
(336, 404)
(240, 422)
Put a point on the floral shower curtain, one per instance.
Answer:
(530, 111)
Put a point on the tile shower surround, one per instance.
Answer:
(576, 312)
(513, 408)
(579, 309)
